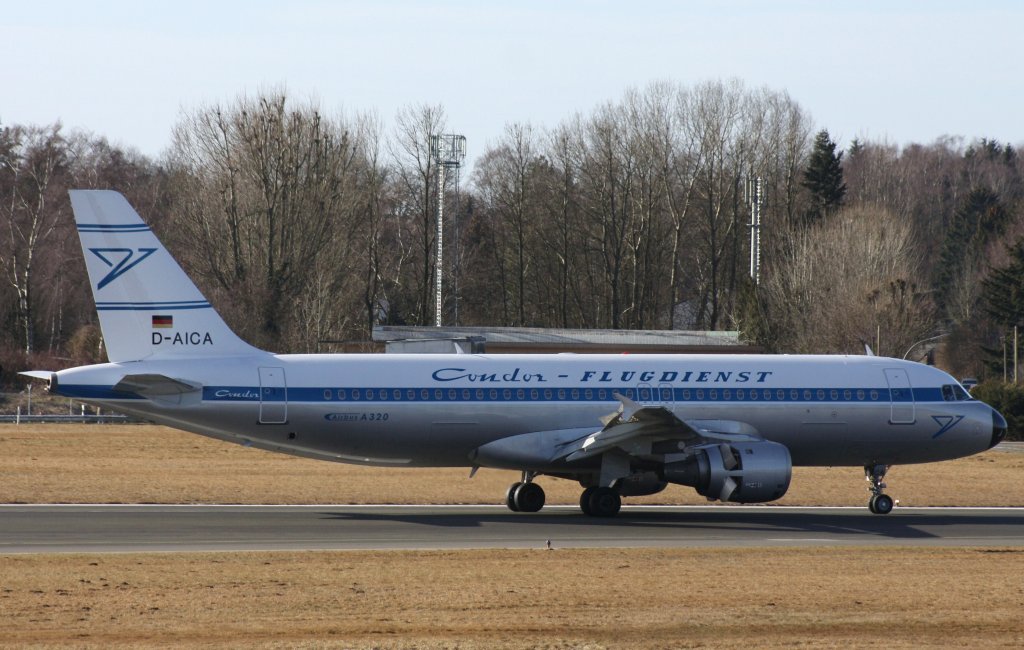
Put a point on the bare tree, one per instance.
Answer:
(416, 205)
(262, 189)
(34, 168)
(849, 278)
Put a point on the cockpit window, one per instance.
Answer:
(955, 393)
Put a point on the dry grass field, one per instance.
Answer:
(896, 597)
(150, 464)
(779, 598)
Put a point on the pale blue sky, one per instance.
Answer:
(897, 70)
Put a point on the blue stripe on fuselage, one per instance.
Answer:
(359, 394)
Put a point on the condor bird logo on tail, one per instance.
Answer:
(120, 261)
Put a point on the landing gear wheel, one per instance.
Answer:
(604, 502)
(585, 500)
(510, 497)
(528, 497)
(881, 504)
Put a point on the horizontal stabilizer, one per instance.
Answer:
(45, 375)
(148, 385)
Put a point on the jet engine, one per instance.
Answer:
(641, 484)
(743, 472)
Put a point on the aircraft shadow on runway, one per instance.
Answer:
(898, 525)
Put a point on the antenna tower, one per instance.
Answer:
(448, 151)
(754, 200)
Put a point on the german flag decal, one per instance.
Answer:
(163, 321)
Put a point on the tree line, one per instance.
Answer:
(305, 227)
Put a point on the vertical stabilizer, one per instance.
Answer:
(146, 304)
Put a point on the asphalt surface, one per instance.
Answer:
(156, 528)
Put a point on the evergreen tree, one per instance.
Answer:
(980, 219)
(824, 178)
(1003, 290)
(1003, 299)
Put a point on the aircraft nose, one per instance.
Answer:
(998, 428)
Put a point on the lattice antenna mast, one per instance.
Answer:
(448, 151)
(754, 200)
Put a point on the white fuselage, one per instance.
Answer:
(436, 410)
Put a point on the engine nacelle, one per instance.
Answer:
(742, 472)
(641, 484)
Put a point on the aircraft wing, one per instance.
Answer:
(635, 429)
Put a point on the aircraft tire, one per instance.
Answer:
(510, 497)
(605, 502)
(528, 497)
(585, 500)
(882, 504)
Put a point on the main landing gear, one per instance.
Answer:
(880, 503)
(525, 495)
(599, 501)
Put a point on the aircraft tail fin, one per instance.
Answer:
(146, 303)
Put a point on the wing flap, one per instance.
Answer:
(635, 424)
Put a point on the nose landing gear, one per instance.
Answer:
(880, 503)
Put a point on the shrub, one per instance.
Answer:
(1008, 399)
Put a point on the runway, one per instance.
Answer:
(168, 528)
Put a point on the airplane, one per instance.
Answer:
(730, 426)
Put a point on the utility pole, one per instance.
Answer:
(448, 151)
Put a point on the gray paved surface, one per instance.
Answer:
(44, 528)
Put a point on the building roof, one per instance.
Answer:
(533, 339)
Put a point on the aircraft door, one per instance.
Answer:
(902, 396)
(273, 396)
